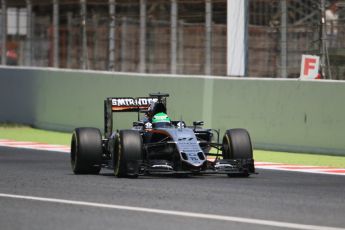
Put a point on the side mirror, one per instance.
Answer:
(198, 123)
(138, 123)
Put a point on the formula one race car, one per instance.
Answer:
(157, 145)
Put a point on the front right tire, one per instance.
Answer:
(237, 145)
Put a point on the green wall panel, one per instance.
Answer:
(280, 114)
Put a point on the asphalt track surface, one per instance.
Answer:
(49, 196)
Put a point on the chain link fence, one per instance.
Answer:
(167, 36)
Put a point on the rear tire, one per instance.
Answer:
(86, 151)
(238, 146)
(128, 153)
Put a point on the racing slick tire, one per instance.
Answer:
(128, 153)
(86, 151)
(238, 146)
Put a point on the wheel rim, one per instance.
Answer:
(117, 157)
(227, 147)
(73, 151)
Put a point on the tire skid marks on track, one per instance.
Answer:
(258, 165)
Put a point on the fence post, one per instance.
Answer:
(208, 84)
(142, 38)
(325, 64)
(180, 47)
(208, 40)
(69, 40)
(95, 39)
(283, 41)
(111, 61)
(4, 32)
(28, 50)
(173, 37)
(34, 52)
(84, 53)
(124, 37)
(56, 33)
(237, 37)
(17, 24)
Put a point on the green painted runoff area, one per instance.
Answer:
(24, 133)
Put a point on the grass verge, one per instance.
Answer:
(25, 133)
(300, 158)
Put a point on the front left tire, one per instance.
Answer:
(128, 153)
(86, 151)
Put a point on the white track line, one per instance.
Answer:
(175, 213)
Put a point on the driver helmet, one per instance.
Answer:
(160, 120)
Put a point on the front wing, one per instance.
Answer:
(229, 167)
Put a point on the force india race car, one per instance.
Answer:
(148, 148)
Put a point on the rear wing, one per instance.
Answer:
(123, 104)
(129, 104)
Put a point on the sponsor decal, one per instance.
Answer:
(127, 104)
(160, 117)
(310, 67)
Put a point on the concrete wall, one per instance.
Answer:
(290, 115)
